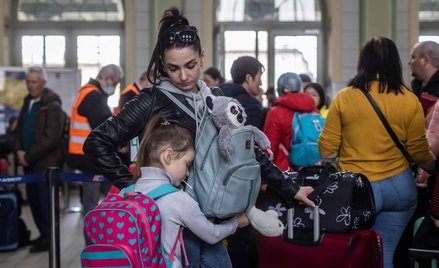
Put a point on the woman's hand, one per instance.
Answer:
(302, 195)
(422, 178)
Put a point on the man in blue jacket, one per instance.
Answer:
(246, 74)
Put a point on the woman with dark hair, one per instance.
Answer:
(212, 77)
(354, 133)
(174, 68)
(317, 92)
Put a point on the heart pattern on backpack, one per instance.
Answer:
(134, 221)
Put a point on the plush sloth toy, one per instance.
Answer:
(228, 114)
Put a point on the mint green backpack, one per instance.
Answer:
(222, 188)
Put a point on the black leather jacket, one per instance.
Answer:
(101, 144)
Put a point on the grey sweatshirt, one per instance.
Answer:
(179, 209)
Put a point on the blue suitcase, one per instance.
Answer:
(9, 239)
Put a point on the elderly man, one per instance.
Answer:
(38, 146)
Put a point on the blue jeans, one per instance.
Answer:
(395, 201)
(202, 254)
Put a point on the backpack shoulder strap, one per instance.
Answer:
(296, 115)
(295, 122)
(178, 103)
(162, 190)
(153, 194)
(130, 188)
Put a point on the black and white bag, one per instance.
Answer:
(345, 199)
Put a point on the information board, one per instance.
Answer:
(65, 82)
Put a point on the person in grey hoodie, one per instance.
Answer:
(175, 67)
(164, 157)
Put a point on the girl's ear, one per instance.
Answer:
(166, 156)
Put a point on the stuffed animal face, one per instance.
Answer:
(226, 111)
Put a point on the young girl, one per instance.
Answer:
(175, 67)
(165, 154)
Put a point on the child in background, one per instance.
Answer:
(165, 154)
(317, 92)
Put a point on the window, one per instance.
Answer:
(429, 20)
(296, 53)
(284, 35)
(268, 10)
(429, 10)
(76, 34)
(68, 10)
(244, 43)
(43, 50)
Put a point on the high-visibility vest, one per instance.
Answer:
(131, 87)
(79, 126)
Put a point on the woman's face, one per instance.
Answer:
(183, 66)
(314, 94)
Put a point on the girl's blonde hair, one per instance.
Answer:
(160, 134)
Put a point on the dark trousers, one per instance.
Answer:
(38, 199)
(243, 248)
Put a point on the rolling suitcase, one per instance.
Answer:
(356, 249)
(9, 239)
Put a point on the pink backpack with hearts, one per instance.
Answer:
(124, 231)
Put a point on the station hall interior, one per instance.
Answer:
(73, 39)
(322, 38)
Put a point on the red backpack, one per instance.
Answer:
(124, 231)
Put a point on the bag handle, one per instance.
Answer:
(387, 126)
(320, 188)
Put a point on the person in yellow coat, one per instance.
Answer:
(354, 132)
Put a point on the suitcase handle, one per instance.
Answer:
(291, 237)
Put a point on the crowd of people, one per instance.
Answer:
(352, 137)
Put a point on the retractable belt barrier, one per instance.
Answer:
(53, 177)
(63, 176)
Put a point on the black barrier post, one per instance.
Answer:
(53, 179)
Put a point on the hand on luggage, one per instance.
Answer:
(302, 196)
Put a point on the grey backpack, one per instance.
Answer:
(222, 188)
